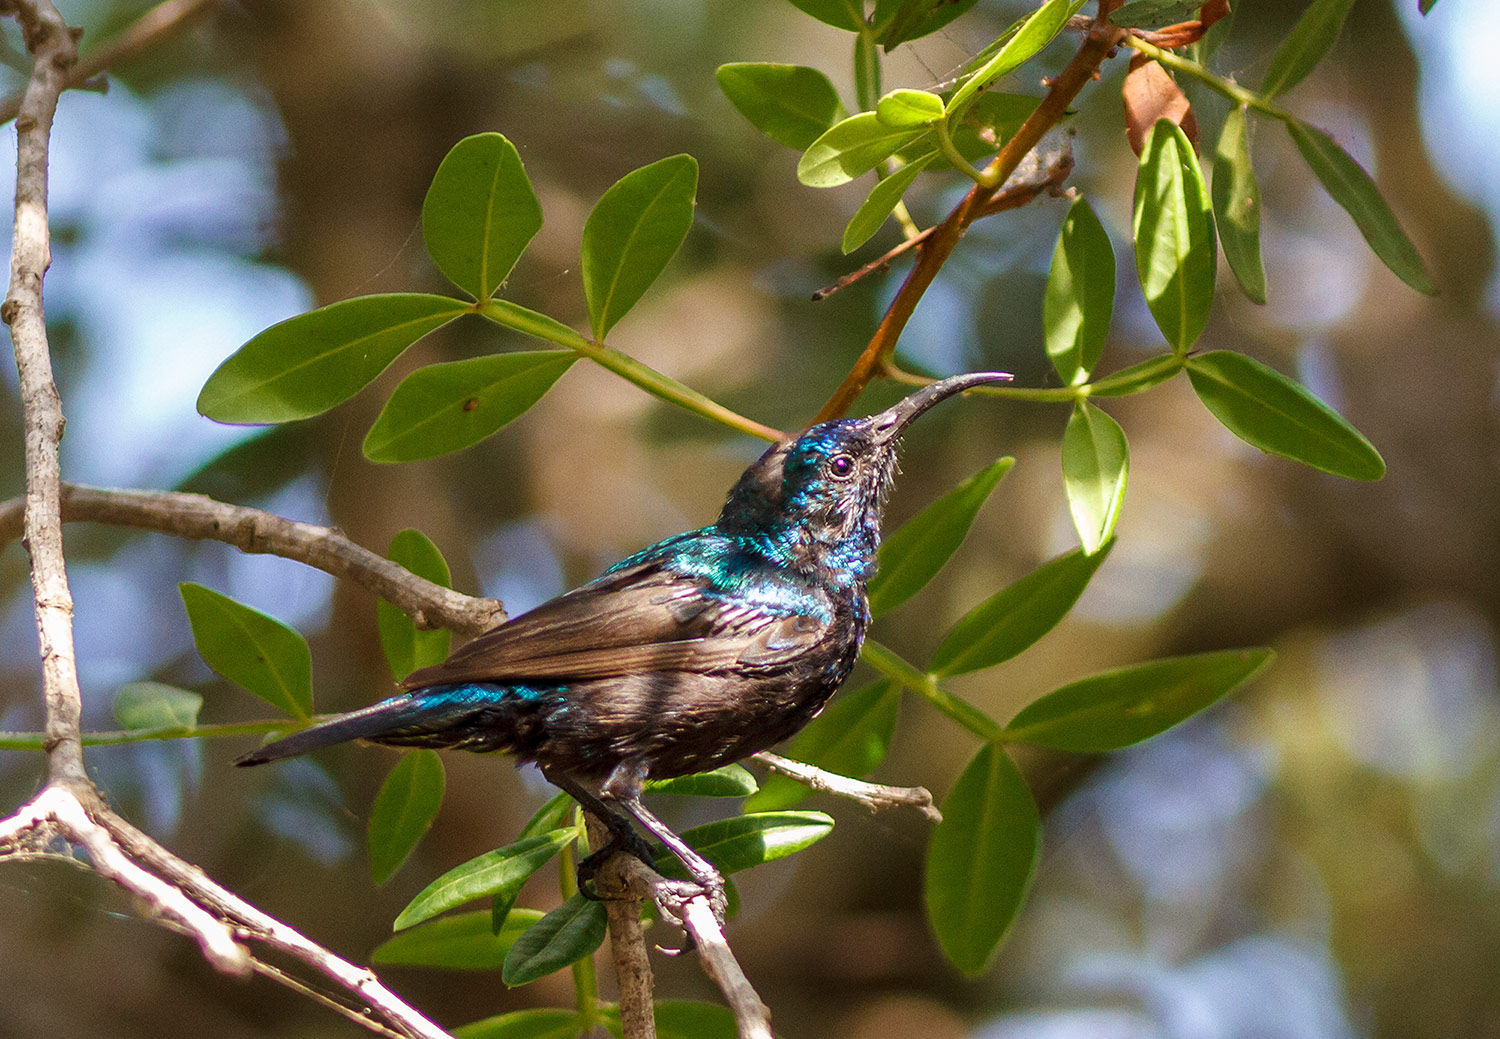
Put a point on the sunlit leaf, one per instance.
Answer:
(1351, 187)
(1175, 255)
(307, 364)
(981, 859)
(792, 104)
(850, 738)
(728, 781)
(633, 230)
(917, 550)
(480, 213)
(1008, 622)
(152, 705)
(251, 649)
(841, 14)
(909, 108)
(406, 648)
(1035, 33)
(851, 148)
(450, 406)
(1310, 39)
(1080, 295)
(1236, 197)
(536, 1023)
(403, 811)
(1269, 411)
(1095, 465)
(463, 941)
(561, 938)
(873, 211)
(504, 869)
(743, 841)
(1117, 708)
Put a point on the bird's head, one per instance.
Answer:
(821, 494)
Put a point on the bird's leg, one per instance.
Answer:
(624, 787)
(622, 837)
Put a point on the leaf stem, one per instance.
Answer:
(952, 154)
(585, 979)
(892, 665)
(1227, 87)
(37, 740)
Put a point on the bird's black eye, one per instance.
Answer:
(841, 466)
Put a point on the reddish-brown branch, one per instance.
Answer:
(1101, 40)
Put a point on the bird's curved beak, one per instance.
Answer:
(889, 424)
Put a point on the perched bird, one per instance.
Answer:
(696, 652)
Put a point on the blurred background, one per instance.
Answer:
(1317, 857)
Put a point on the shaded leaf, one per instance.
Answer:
(479, 213)
(406, 648)
(561, 938)
(1269, 411)
(1310, 39)
(307, 364)
(850, 738)
(917, 550)
(251, 649)
(536, 1023)
(1095, 465)
(403, 811)
(841, 14)
(1080, 297)
(687, 1019)
(1151, 95)
(450, 406)
(981, 859)
(743, 841)
(851, 148)
(792, 104)
(1175, 255)
(728, 781)
(873, 211)
(504, 869)
(1008, 622)
(899, 21)
(1117, 708)
(1236, 197)
(463, 941)
(153, 705)
(1351, 187)
(633, 231)
(908, 108)
(1035, 33)
(1151, 14)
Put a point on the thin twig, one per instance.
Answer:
(874, 796)
(627, 946)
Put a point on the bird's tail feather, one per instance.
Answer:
(395, 713)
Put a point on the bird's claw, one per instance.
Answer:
(627, 841)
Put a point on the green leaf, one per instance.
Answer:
(407, 648)
(1151, 14)
(1117, 708)
(504, 869)
(251, 649)
(447, 407)
(1269, 411)
(742, 841)
(1426, 5)
(850, 149)
(1174, 236)
(1095, 465)
(537, 1023)
(152, 705)
(850, 738)
(1236, 198)
(1008, 622)
(981, 859)
(634, 229)
(463, 941)
(792, 104)
(1080, 295)
(867, 72)
(480, 213)
(403, 811)
(908, 108)
(729, 781)
(917, 550)
(1310, 39)
(899, 21)
(561, 938)
(841, 14)
(307, 364)
(1035, 33)
(872, 212)
(686, 1019)
(1351, 187)
(1138, 377)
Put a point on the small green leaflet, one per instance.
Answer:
(841, 14)
(917, 550)
(307, 364)
(981, 859)
(450, 406)
(743, 841)
(852, 148)
(899, 21)
(850, 738)
(251, 649)
(1175, 255)
(463, 941)
(406, 648)
(504, 869)
(792, 104)
(1236, 198)
(909, 108)
(561, 938)
(1117, 708)
(1150, 14)
(728, 781)
(1037, 31)
(1138, 377)
(873, 211)
(1095, 465)
(403, 811)
(480, 213)
(536, 1023)
(151, 705)
(1080, 295)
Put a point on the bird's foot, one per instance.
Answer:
(627, 841)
